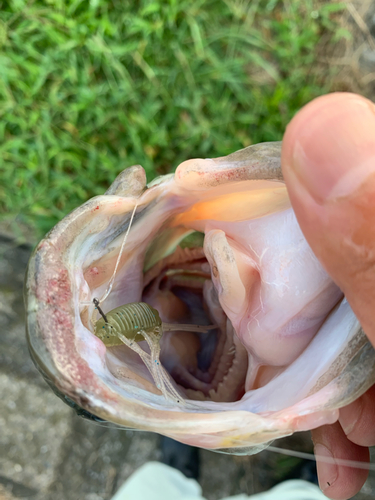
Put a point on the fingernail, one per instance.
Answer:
(349, 416)
(327, 469)
(334, 148)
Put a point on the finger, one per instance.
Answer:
(337, 481)
(357, 419)
(328, 160)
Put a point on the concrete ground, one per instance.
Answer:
(47, 452)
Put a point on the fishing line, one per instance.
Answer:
(111, 281)
(275, 449)
(310, 456)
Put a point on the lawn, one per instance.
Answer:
(88, 88)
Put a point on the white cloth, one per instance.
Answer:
(156, 481)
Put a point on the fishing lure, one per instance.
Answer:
(138, 321)
(135, 322)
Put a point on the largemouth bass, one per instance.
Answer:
(214, 245)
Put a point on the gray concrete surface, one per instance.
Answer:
(47, 452)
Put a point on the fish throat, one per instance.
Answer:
(176, 339)
(205, 366)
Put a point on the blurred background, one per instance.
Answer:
(88, 88)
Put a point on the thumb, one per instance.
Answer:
(328, 161)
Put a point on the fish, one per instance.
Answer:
(215, 243)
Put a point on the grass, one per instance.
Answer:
(88, 88)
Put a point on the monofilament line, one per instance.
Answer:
(111, 281)
(310, 456)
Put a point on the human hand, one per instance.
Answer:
(328, 161)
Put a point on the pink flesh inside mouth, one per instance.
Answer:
(230, 282)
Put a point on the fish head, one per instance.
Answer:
(216, 243)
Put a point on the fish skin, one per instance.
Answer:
(130, 182)
(264, 159)
(55, 342)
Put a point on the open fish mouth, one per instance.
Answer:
(216, 243)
